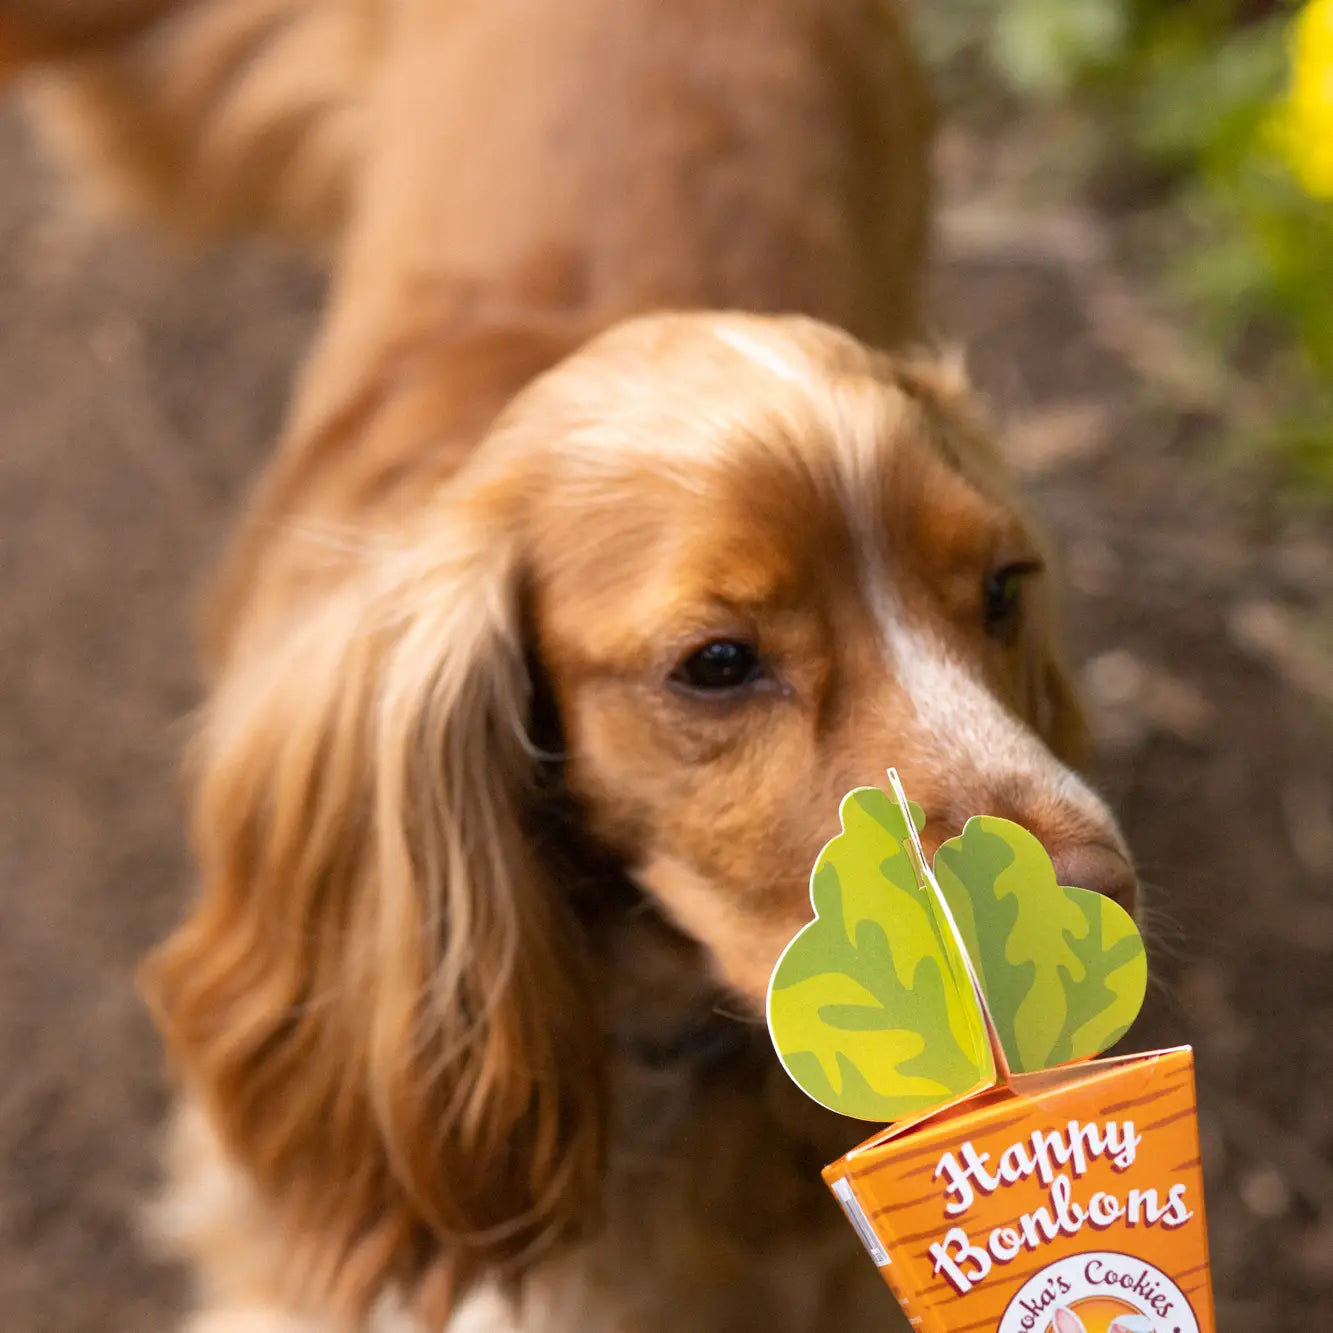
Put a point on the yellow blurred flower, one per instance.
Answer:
(1306, 119)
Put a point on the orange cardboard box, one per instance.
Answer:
(1067, 1201)
(1022, 1186)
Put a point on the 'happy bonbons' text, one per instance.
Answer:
(1057, 1159)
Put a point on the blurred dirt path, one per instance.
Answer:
(137, 392)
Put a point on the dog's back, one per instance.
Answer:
(496, 181)
(630, 153)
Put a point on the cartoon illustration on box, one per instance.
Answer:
(1022, 1186)
(1101, 1315)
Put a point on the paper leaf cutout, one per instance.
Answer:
(1063, 969)
(870, 1006)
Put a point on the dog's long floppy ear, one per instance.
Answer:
(378, 998)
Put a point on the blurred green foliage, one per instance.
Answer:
(1225, 109)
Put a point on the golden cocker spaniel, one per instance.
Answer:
(615, 533)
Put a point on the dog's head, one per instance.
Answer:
(786, 565)
(700, 579)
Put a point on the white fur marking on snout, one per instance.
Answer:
(971, 727)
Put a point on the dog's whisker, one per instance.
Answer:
(739, 1015)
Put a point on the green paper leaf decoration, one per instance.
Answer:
(871, 1008)
(1063, 970)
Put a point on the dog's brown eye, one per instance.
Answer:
(1002, 597)
(724, 664)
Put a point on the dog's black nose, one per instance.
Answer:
(1095, 866)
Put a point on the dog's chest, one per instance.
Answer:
(716, 1221)
(795, 1290)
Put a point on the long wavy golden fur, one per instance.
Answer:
(209, 116)
(377, 975)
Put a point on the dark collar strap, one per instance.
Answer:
(699, 1044)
